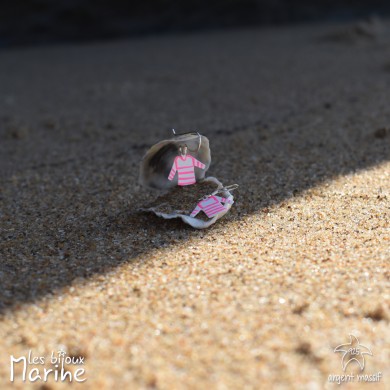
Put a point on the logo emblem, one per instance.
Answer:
(353, 351)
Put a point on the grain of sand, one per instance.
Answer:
(259, 300)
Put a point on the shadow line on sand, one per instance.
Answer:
(272, 163)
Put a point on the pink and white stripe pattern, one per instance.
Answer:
(211, 206)
(185, 167)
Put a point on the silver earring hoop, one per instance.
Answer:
(190, 133)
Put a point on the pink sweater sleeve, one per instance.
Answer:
(197, 163)
(173, 171)
(197, 209)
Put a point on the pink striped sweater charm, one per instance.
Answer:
(211, 206)
(185, 168)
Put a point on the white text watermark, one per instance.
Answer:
(33, 369)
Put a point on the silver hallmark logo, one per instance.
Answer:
(353, 352)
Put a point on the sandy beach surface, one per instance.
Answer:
(298, 117)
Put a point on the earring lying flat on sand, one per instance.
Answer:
(212, 204)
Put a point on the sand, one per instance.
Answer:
(259, 300)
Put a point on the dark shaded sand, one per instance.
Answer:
(259, 300)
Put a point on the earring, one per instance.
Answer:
(157, 164)
(212, 204)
